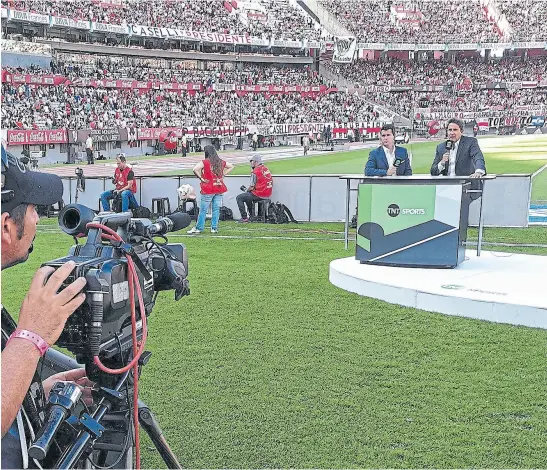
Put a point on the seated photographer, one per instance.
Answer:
(126, 187)
(43, 313)
(261, 187)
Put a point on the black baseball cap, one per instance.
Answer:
(20, 185)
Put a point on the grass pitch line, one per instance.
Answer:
(250, 237)
(537, 172)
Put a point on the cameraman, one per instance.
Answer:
(261, 187)
(126, 186)
(43, 313)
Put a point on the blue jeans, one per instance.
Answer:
(128, 200)
(204, 203)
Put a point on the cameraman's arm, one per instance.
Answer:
(16, 377)
(44, 312)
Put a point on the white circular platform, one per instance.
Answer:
(498, 287)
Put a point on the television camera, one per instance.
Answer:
(121, 261)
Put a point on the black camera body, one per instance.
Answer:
(102, 325)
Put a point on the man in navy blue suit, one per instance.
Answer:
(464, 159)
(388, 159)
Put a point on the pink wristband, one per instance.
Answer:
(35, 339)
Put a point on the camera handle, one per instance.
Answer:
(63, 399)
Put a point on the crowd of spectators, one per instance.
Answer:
(485, 101)
(526, 17)
(431, 21)
(283, 20)
(279, 18)
(181, 71)
(393, 71)
(25, 47)
(77, 107)
(442, 21)
(73, 106)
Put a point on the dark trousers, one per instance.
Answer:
(90, 160)
(246, 199)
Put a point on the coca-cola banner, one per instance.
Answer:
(17, 78)
(35, 137)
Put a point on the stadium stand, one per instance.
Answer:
(268, 17)
(76, 107)
(183, 71)
(434, 21)
(526, 17)
(394, 71)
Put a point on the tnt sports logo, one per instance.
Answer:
(394, 210)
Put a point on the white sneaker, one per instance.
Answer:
(194, 231)
(214, 230)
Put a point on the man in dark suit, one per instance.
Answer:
(465, 158)
(388, 159)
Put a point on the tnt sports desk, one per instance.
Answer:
(415, 221)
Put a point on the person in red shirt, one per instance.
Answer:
(126, 186)
(260, 188)
(211, 172)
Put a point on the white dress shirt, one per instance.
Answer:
(451, 160)
(389, 155)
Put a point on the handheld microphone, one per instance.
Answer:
(174, 222)
(397, 162)
(448, 147)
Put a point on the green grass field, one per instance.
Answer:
(268, 365)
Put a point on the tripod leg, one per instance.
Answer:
(152, 428)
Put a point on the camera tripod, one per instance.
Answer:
(104, 438)
(80, 183)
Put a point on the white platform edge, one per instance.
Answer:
(497, 312)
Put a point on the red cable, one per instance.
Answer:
(133, 281)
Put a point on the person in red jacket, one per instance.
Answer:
(211, 172)
(260, 188)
